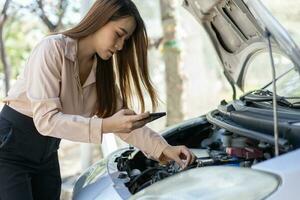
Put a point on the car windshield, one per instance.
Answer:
(288, 85)
(259, 76)
(259, 70)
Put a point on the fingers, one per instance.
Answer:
(138, 117)
(128, 112)
(181, 155)
(131, 120)
(193, 158)
(184, 153)
(179, 162)
(133, 116)
(187, 154)
(140, 123)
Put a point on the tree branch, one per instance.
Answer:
(63, 4)
(43, 15)
(60, 14)
(3, 57)
(3, 15)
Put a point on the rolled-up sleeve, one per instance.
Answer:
(43, 91)
(148, 141)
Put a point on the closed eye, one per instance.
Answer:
(118, 34)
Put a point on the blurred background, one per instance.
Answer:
(183, 64)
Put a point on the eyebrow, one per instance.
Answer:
(124, 30)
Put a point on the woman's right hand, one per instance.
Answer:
(124, 121)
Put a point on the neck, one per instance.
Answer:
(85, 49)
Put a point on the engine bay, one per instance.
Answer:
(220, 148)
(237, 134)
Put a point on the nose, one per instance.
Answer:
(120, 44)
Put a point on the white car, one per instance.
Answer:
(235, 144)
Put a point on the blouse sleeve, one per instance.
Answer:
(43, 90)
(148, 141)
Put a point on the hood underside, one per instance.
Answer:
(237, 30)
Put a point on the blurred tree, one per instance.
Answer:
(6, 66)
(151, 15)
(19, 27)
(18, 37)
(58, 11)
(172, 58)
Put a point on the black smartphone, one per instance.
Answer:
(154, 116)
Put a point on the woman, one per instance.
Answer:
(78, 85)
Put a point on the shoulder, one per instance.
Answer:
(50, 47)
(52, 41)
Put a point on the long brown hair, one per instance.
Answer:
(131, 67)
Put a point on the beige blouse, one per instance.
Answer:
(49, 91)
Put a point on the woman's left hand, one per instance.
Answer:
(180, 154)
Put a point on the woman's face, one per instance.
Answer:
(111, 37)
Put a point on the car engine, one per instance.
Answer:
(221, 148)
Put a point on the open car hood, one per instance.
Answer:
(237, 29)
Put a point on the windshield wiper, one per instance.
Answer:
(266, 95)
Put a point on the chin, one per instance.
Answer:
(105, 56)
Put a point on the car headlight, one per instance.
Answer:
(89, 177)
(220, 182)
